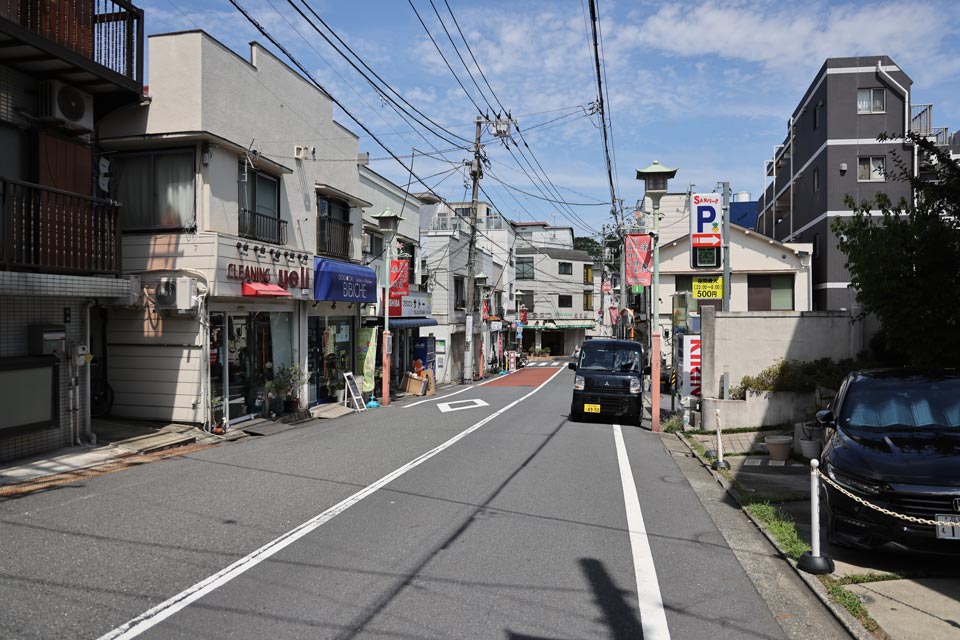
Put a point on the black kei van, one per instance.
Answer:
(609, 380)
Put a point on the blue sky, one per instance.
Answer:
(703, 85)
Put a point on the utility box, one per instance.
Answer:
(46, 339)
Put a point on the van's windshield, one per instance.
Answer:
(627, 360)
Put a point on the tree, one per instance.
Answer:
(905, 262)
(589, 245)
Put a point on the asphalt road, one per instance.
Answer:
(498, 518)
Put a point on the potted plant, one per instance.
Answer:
(286, 385)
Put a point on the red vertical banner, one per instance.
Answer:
(485, 309)
(399, 278)
(523, 316)
(638, 256)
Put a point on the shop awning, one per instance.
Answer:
(335, 280)
(265, 290)
(409, 323)
(568, 324)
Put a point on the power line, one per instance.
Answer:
(440, 51)
(456, 49)
(603, 118)
(482, 75)
(385, 84)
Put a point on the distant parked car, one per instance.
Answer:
(576, 352)
(893, 441)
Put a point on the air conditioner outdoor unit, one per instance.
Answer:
(65, 105)
(166, 295)
(300, 152)
(186, 294)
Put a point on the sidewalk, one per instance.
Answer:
(923, 604)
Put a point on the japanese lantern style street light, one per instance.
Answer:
(655, 178)
(388, 222)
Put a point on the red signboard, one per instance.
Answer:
(639, 259)
(523, 316)
(399, 278)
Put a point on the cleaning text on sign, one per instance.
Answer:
(705, 220)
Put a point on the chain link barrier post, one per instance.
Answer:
(719, 463)
(812, 561)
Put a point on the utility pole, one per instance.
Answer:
(476, 172)
(726, 247)
(501, 130)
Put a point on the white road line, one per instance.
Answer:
(164, 610)
(467, 388)
(653, 619)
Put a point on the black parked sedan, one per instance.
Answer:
(894, 442)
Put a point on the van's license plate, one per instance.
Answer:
(948, 527)
(591, 408)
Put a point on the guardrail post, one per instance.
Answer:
(812, 561)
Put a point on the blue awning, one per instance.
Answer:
(335, 280)
(408, 323)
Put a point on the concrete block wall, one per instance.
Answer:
(747, 342)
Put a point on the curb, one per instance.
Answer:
(851, 624)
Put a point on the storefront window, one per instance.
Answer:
(330, 342)
(245, 350)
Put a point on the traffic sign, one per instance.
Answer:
(706, 218)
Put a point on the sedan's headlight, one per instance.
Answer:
(851, 483)
(636, 385)
(578, 383)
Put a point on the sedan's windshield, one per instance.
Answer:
(905, 402)
(611, 360)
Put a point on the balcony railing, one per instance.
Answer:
(262, 227)
(109, 32)
(49, 230)
(333, 237)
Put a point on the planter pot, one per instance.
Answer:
(810, 449)
(779, 447)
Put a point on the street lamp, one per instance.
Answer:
(388, 222)
(655, 178)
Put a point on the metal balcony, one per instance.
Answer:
(49, 230)
(262, 227)
(333, 237)
(94, 45)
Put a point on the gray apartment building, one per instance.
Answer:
(831, 151)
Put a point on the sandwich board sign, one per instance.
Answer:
(353, 392)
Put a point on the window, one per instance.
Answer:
(871, 101)
(588, 301)
(816, 179)
(331, 208)
(259, 192)
(372, 245)
(566, 268)
(816, 115)
(525, 300)
(870, 169)
(588, 274)
(769, 292)
(525, 269)
(816, 245)
(459, 293)
(564, 302)
(157, 189)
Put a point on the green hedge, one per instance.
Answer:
(796, 375)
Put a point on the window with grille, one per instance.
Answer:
(564, 302)
(565, 268)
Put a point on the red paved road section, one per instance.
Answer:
(527, 377)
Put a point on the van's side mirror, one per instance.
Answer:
(572, 365)
(825, 418)
(646, 370)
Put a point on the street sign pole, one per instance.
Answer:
(726, 246)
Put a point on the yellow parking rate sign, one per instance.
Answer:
(708, 288)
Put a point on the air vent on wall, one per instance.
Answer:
(65, 105)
